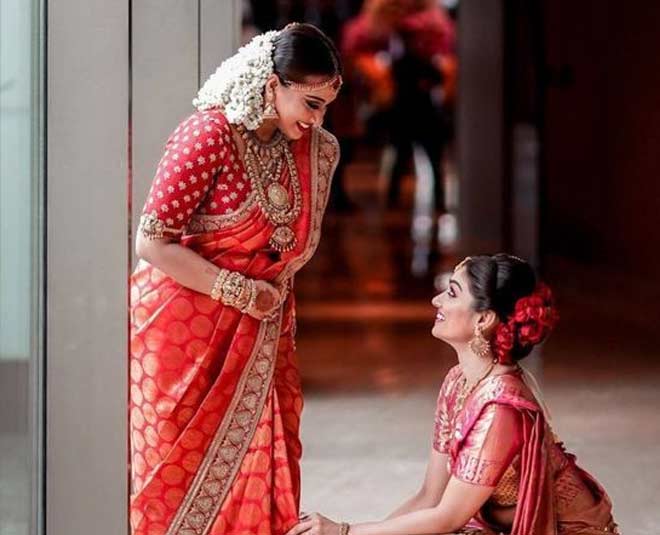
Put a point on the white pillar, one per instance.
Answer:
(87, 264)
(98, 85)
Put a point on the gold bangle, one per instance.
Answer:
(232, 288)
(153, 228)
(216, 290)
(254, 291)
(228, 289)
(245, 298)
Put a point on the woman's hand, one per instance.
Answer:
(315, 524)
(268, 299)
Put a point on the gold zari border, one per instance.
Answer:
(208, 490)
(200, 223)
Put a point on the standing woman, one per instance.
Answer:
(234, 212)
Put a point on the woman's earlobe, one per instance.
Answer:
(487, 320)
(273, 82)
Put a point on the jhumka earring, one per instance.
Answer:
(269, 110)
(479, 345)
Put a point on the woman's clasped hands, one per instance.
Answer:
(316, 524)
(268, 299)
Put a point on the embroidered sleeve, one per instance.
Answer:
(442, 426)
(490, 446)
(194, 154)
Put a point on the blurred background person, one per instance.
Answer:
(413, 41)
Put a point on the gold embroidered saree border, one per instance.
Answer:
(200, 223)
(324, 156)
(225, 454)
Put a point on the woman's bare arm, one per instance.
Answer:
(182, 264)
(459, 503)
(430, 493)
(195, 272)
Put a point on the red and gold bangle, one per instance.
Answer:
(216, 290)
(247, 296)
(232, 288)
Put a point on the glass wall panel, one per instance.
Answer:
(21, 261)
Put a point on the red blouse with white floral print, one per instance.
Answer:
(199, 173)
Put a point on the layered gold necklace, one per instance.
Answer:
(264, 163)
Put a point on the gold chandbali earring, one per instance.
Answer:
(479, 345)
(270, 113)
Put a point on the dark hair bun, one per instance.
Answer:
(507, 285)
(302, 50)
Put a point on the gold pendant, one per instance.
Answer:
(278, 195)
(283, 239)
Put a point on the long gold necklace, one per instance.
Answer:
(465, 393)
(264, 163)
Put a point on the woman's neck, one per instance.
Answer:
(266, 131)
(473, 367)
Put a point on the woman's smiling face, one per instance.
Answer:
(455, 319)
(300, 110)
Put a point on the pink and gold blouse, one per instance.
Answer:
(492, 442)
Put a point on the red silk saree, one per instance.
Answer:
(215, 398)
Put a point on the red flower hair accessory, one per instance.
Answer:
(532, 319)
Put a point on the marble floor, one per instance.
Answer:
(371, 370)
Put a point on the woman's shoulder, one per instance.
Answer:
(328, 144)
(508, 388)
(212, 116)
(453, 373)
(450, 380)
(202, 132)
(208, 121)
(327, 136)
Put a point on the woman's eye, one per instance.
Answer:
(451, 293)
(313, 105)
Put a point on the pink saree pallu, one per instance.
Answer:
(215, 398)
(502, 439)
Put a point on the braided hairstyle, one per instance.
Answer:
(508, 286)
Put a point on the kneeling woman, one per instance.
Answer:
(496, 466)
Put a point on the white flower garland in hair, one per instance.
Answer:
(237, 85)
